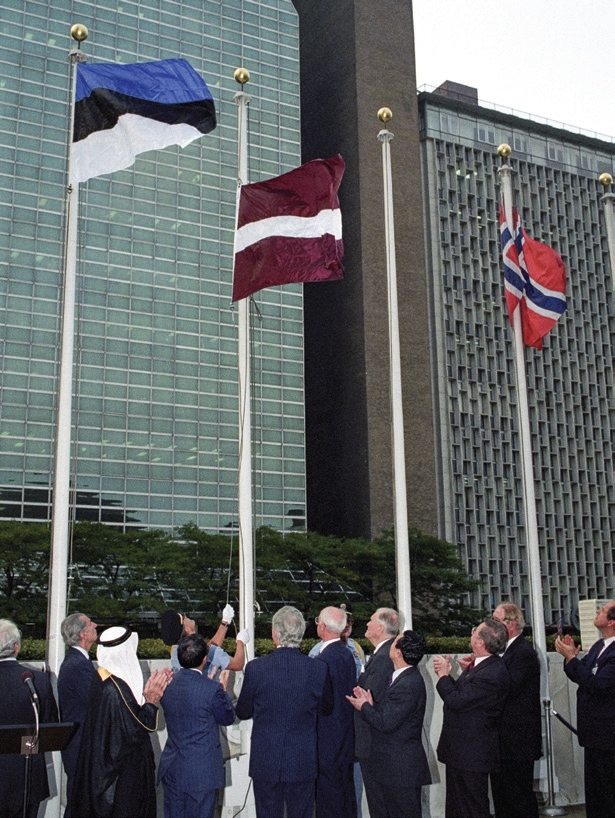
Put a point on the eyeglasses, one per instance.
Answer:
(317, 620)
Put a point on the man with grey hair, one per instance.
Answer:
(16, 708)
(335, 792)
(283, 693)
(382, 628)
(74, 682)
(469, 743)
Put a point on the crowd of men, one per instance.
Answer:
(323, 726)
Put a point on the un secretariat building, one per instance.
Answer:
(155, 406)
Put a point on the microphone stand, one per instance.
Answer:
(28, 748)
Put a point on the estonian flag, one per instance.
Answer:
(123, 110)
(289, 229)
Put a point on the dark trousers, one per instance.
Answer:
(335, 793)
(270, 797)
(387, 798)
(467, 794)
(181, 804)
(513, 790)
(599, 783)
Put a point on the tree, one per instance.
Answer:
(24, 568)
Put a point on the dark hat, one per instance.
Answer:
(171, 626)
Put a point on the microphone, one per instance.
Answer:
(26, 678)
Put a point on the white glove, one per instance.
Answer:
(227, 614)
(243, 636)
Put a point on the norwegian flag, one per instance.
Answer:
(535, 280)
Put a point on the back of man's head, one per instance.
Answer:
(494, 636)
(71, 629)
(390, 620)
(9, 637)
(289, 625)
(191, 650)
(334, 619)
(412, 646)
(512, 613)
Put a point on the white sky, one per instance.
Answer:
(550, 58)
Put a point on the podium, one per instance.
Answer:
(16, 739)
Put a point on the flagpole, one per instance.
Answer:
(246, 525)
(606, 180)
(402, 548)
(60, 510)
(531, 524)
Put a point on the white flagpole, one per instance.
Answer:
(60, 511)
(531, 525)
(606, 180)
(402, 548)
(246, 526)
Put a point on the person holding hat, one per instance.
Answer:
(115, 773)
(174, 626)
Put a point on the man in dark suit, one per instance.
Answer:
(283, 693)
(74, 682)
(396, 723)
(16, 708)
(335, 793)
(469, 742)
(191, 768)
(520, 726)
(382, 629)
(595, 676)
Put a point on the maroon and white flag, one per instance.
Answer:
(289, 229)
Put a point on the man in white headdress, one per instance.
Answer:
(115, 773)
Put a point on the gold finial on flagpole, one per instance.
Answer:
(605, 179)
(504, 150)
(384, 114)
(79, 32)
(242, 75)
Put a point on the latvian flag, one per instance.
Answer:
(535, 279)
(289, 229)
(124, 110)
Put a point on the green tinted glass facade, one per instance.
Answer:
(155, 399)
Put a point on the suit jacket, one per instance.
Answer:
(193, 707)
(336, 731)
(284, 692)
(74, 682)
(595, 696)
(473, 706)
(375, 677)
(520, 725)
(16, 708)
(396, 724)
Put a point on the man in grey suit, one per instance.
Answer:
(396, 723)
(74, 682)
(381, 631)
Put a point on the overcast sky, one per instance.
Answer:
(551, 58)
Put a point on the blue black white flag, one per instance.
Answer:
(124, 110)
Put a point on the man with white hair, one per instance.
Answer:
(335, 792)
(115, 772)
(16, 708)
(283, 693)
(74, 681)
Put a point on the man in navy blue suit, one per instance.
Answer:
(335, 792)
(595, 676)
(191, 768)
(283, 693)
(396, 723)
(74, 682)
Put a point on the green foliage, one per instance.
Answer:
(24, 565)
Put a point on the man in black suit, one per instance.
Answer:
(335, 793)
(382, 629)
(16, 708)
(74, 682)
(396, 724)
(469, 742)
(520, 726)
(283, 693)
(595, 676)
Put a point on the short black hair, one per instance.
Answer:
(191, 650)
(412, 646)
